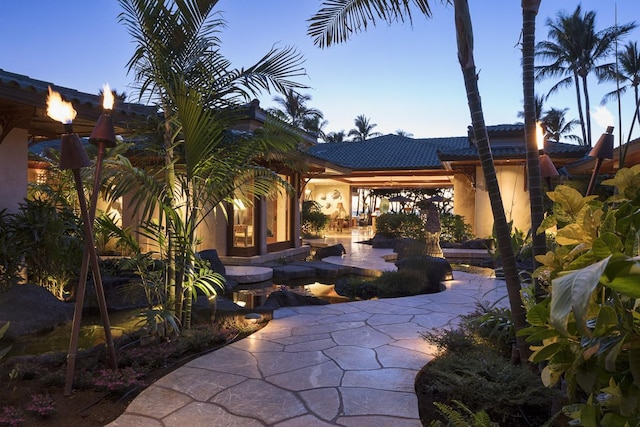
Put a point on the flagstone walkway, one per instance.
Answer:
(350, 364)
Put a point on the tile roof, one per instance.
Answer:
(395, 152)
(515, 151)
(387, 152)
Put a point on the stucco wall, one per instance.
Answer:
(328, 197)
(515, 199)
(13, 169)
(464, 197)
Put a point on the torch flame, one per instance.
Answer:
(58, 109)
(539, 136)
(107, 97)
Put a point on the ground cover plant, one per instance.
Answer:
(473, 381)
(32, 387)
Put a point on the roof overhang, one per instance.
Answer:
(609, 166)
(23, 104)
(380, 179)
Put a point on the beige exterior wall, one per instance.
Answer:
(13, 170)
(515, 199)
(213, 232)
(463, 195)
(328, 196)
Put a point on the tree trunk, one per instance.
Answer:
(529, 12)
(576, 80)
(587, 107)
(464, 35)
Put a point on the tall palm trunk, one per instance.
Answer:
(529, 13)
(636, 117)
(464, 35)
(587, 107)
(580, 110)
(173, 294)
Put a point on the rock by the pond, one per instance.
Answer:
(436, 270)
(217, 266)
(488, 244)
(31, 308)
(408, 247)
(335, 250)
(347, 288)
(286, 298)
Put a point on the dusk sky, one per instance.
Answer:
(400, 76)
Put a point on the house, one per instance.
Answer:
(242, 234)
(24, 121)
(393, 161)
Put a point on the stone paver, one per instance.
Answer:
(350, 364)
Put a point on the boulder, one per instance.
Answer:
(286, 298)
(335, 250)
(217, 266)
(408, 247)
(31, 308)
(436, 270)
(382, 242)
(487, 244)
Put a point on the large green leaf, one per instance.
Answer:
(607, 244)
(623, 275)
(572, 234)
(572, 292)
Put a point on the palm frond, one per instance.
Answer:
(337, 20)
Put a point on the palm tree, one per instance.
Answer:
(628, 71)
(197, 164)
(575, 50)
(335, 136)
(539, 105)
(293, 107)
(553, 121)
(363, 129)
(556, 126)
(338, 19)
(404, 133)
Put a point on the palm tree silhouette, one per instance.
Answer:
(628, 72)
(576, 50)
(556, 126)
(335, 136)
(295, 111)
(363, 129)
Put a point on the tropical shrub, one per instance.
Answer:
(313, 220)
(48, 237)
(10, 257)
(454, 228)
(586, 333)
(400, 225)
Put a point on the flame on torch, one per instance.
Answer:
(539, 136)
(58, 109)
(107, 97)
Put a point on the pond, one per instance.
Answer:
(125, 321)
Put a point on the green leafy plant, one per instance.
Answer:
(400, 225)
(48, 235)
(313, 220)
(10, 258)
(587, 332)
(454, 228)
(463, 417)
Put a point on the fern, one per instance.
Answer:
(462, 418)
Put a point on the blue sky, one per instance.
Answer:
(400, 76)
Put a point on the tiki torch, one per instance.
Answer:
(74, 157)
(547, 168)
(602, 150)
